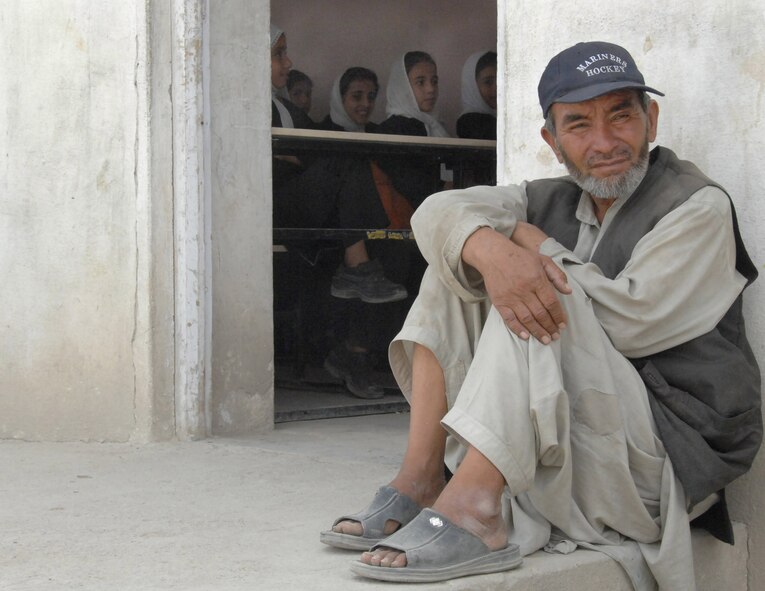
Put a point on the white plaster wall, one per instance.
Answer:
(75, 313)
(709, 59)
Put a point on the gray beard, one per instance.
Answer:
(613, 187)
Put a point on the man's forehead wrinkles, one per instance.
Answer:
(625, 104)
(623, 99)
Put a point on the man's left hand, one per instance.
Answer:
(520, 282)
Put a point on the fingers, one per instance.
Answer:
(556, 275)
(524, 286)
(534, 320)
(554, 310)
(511, 321)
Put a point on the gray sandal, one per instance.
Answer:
(388, 504)
(438, 550)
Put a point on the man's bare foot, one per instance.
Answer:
(422, 493)
(471, 501)
(476, 513)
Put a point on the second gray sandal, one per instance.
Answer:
(388, 505)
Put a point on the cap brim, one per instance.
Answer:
(596, 90)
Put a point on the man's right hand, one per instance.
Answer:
(521, 284)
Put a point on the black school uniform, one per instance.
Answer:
(415, 178)
(477, 126)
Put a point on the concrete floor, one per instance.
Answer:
(225, 514)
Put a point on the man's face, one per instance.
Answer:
(604, 141)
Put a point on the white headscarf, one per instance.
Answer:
(284, 114)
(276, 32)
(401, 101)
(337, 111)
(472, 101)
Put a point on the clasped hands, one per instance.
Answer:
(522, 284)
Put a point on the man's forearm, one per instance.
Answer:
(528, 236)
(479, 247)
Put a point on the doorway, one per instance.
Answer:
(322, 46)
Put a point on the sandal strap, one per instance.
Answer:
(431, 539)
(388, 505)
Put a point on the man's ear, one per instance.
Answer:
(653, 120)
(550, 139)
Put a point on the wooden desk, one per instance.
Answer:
(455, 152)
(286, 141)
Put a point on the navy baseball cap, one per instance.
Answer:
(588, 70)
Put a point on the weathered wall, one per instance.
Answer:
(709, 59)
(76, 311)
(325, 38)
(240, 133)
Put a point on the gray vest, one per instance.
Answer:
(704, 394)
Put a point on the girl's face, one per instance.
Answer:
(280, 63)
(301, 94)
(423, 78)
(487, 85)
(359, 100)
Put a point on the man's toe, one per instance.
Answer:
(352, 528)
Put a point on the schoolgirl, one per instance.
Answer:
(300, 90)
(352, 101)
(283, 112)
(412, 96)
(479, 97)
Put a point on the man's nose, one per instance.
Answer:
(603, 137)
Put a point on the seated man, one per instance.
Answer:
(578, 345)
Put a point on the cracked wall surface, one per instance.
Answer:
(80, 314)
(67, 217)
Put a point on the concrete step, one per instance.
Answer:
(719, 567)
(241, 514)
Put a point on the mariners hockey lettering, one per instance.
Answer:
(599, 57)
(604, 70)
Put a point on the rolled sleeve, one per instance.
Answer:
(446, 220)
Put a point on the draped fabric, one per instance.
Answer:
(276, 32)
(397, 207)
(284, 114)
